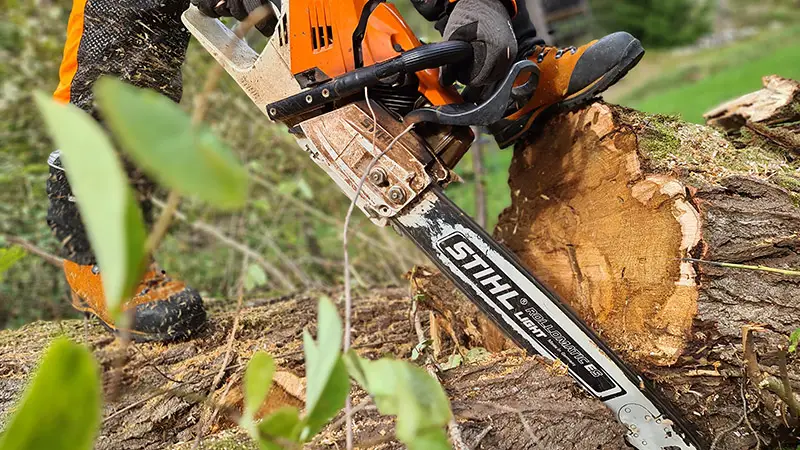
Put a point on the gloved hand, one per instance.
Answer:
(487, 26)
(240, 9)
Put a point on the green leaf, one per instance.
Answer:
(304, 189)
(330, 402)
(432, 439)
(476, 354)
(452, 362)
(257, 381)
(794, 338)
(9, 257)
(160, 138)
(255, 277)
(105, 200)
(327, 383)
(419, 349)
(321, 359)
(404, 390)
(283, 424)
(61, 406)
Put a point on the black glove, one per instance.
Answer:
(240, 9)
(487, 26)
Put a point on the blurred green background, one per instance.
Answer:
(700, 53)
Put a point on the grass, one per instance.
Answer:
(691, 84)
(694, 99)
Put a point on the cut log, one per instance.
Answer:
(628, 217)
(776, 103)
(160, 393)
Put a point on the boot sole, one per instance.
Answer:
(633, 54)
(185, 329)
(182, 330)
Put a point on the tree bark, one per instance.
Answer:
(627, 217)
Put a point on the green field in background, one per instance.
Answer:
(692, 99)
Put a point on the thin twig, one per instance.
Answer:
(217, 408)
(348, 300)
(361, 406)
(722, 434)
(203, 227)
(321, 215)
(747, 419)
(201, 425)
(511, 410)
(479, 438)
(791, 402)
(453, 430)
(32, 248)
(150, 364)
(162, 225)
(794, 273)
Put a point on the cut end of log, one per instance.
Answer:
(606, 235)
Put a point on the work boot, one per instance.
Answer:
(568, 78)
(163, 309)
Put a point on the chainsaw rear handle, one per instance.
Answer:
(427, 56)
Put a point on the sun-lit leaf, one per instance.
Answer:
(794, 338)
(404, 390)
(255, 277)
(108, 208)
(257, 381)
(60, 409)
(281, 424)
(160, 138)
(9, 257)
(330, 402)
(322, 355)
(327, 383)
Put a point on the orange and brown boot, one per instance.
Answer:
(568, 77)
(163, 309)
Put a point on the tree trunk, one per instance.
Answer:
(628, 217)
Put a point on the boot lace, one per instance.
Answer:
(543, 50)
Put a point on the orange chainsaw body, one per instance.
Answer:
(321, 36)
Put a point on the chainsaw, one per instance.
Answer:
(361, 95)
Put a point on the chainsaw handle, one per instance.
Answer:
(427, 56)
(430, 56)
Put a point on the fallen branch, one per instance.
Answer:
(203, 227)
(32, 248)
(795, 273)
